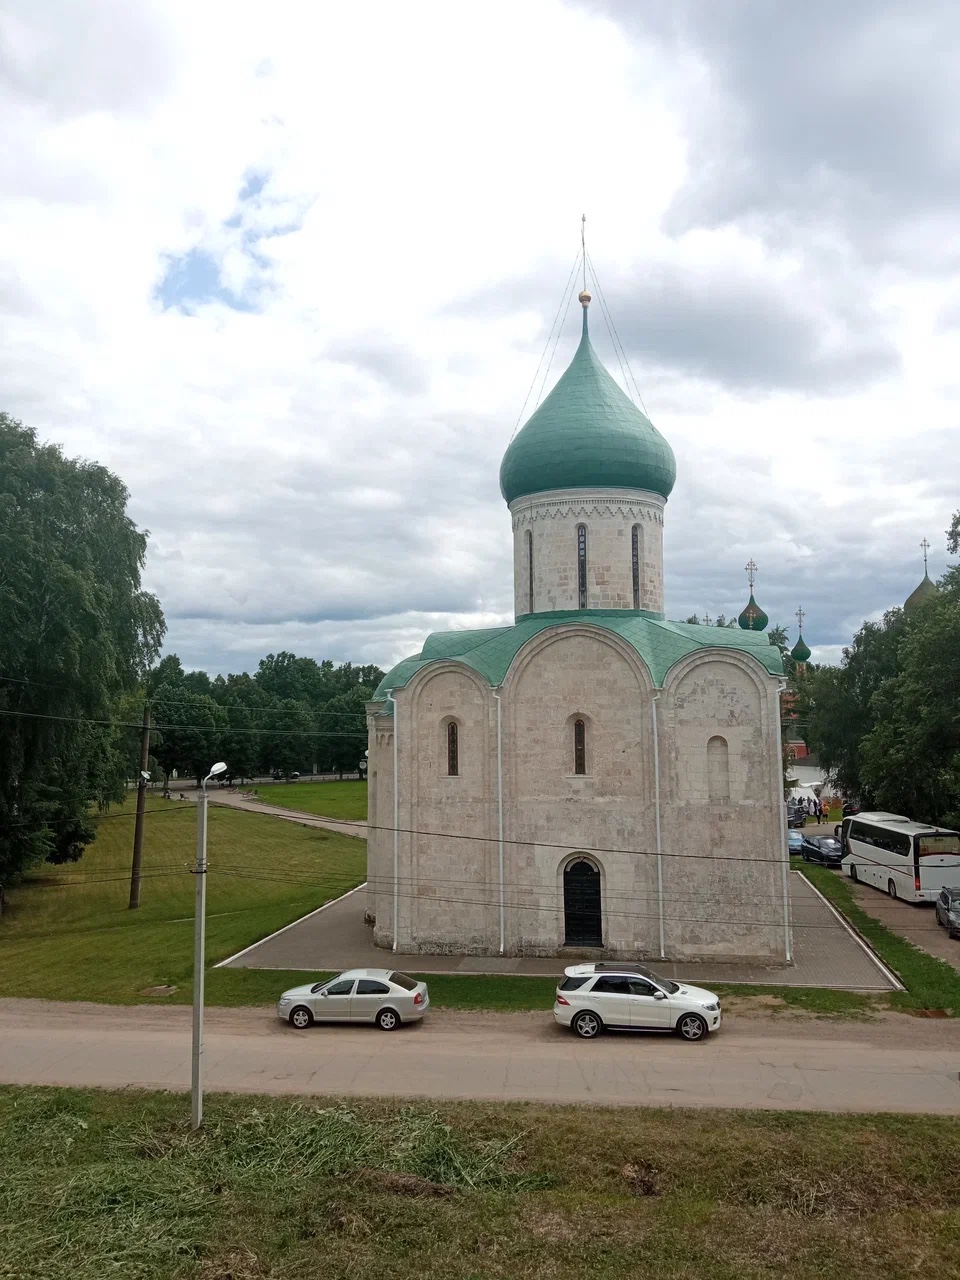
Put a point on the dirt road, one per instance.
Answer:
(897, 1064)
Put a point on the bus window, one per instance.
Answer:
(931, 844)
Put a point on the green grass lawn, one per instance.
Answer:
(67, 933)
(344, 800)
(98, 1184)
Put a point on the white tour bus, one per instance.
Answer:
(909, 860)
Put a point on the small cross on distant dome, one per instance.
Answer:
(800, 615)
(751, 571)
(926, 547)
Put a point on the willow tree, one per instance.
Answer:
(77, 634)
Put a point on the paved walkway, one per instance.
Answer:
(812, 1067)
(234, 800)
(826, 952)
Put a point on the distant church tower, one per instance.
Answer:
(926, 589)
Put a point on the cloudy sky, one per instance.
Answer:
(290, 271)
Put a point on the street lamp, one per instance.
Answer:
(199, 934)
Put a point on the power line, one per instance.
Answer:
(203, 728)
(553, 909)
(274, 709)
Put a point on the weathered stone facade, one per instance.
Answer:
(719, 798)
(545, 530)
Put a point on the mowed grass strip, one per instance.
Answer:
(100, 1183)
(344, 800)
(68, 934)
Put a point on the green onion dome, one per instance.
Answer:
(925, 591)
(587, 434)
(800, 652)
(753, 618)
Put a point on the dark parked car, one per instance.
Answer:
(796, 815)
(948, 911)
(821, 849)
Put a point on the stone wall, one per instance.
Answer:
(719, 804)
(548, 522)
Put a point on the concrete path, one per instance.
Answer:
(900, 1064)
(826, 951)
(234, 800)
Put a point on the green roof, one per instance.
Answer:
(587, 434)
(659, 643)
(753, 618)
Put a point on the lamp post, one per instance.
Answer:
(199, 937)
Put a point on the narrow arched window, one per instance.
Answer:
(579, 747)
(530, 571)
(635, 552)
(718, 769)
(582, 564)
(453, 749)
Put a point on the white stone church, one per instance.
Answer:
(594, 780)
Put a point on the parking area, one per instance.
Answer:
(827, 952)
(917, 922)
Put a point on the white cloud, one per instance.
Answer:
(319, 471)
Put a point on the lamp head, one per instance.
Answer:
(217, 769)
(144, 775)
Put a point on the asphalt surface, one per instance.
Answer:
(827, 953)
(895, 1064)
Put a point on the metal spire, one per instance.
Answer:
(926, 547)
(800, 615)
(750, 569)
(583, 249)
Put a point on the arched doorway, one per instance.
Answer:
(582, 921)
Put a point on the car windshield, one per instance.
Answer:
(667, 985)
(829, 844)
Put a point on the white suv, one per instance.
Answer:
(594, 996)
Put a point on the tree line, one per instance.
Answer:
(80, 644)
(885, 724)
(291, 716)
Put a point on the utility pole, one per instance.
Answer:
(141, 810)
(199, 947)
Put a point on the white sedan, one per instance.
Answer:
(381, 996)
(592, 997)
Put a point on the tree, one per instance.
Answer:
(911, 756)
(289, 745)
(240, 746)
(189, 729)
(77, 634)
(839, 706)
(777, 636)
(343, 729)
(953, 534)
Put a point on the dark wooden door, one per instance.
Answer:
(581, 905)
